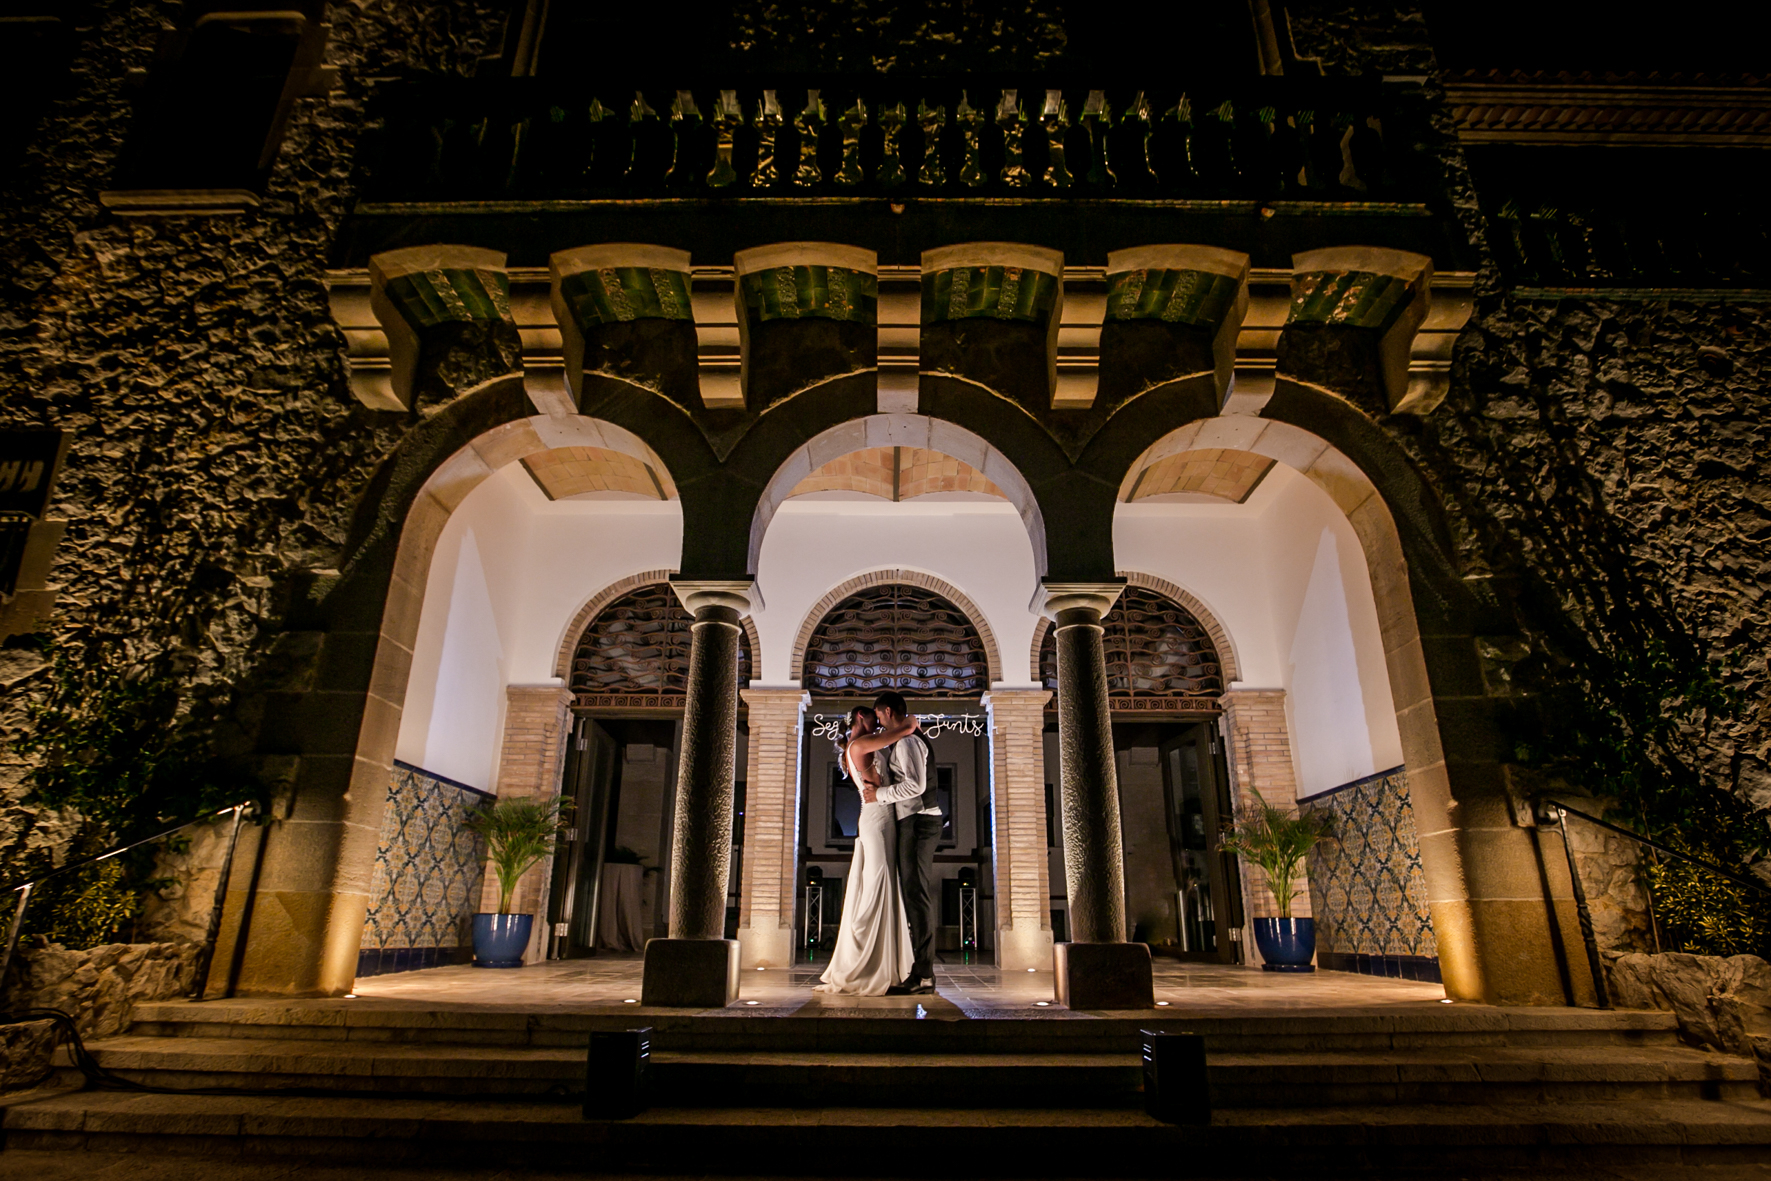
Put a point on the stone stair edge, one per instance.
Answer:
(347, 1015)
(1673, 1122)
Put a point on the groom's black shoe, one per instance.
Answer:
(900, 990)
(921, 987)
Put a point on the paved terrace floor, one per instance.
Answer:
(961, 989)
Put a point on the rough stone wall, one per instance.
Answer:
(1603, 467)
(1721, 1003)
(99, 987)
(217, 449)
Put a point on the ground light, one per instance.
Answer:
(1447, 1001)
(1162, 1004)
(630, 1000)
(1041, 1004)
(350, 996)
(753, 1002)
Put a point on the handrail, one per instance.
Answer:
(1562, 812)
(1660, 848)
(200, 981)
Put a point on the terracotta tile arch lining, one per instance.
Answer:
(916, 578)
(593, 607)
(1229, 666)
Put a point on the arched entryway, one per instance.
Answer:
(908, 633)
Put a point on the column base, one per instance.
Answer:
(690, 973)
(1104, 975)
(1018, 949)
(765, 947)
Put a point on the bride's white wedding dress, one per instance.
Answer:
(873, 943)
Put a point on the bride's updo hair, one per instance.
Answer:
(842, 737)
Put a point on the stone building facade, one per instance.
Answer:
(282, 368)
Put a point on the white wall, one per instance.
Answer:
(1285, 575)
(511, 570)
(818, 542)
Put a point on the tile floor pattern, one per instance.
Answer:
(971, 990)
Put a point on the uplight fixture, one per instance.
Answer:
(1162, 1004)
(1033, 969)
(753, 1002)
(1041, 1004)
(630, 1000)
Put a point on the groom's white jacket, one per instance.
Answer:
(905, 776)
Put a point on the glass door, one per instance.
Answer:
(588, 784)
(1208, 893)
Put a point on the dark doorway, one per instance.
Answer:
(1183, 894)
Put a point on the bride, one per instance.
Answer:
(873, 943)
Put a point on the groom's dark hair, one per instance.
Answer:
(893, 700)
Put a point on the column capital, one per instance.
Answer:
(1026, 698)
(1098, 597)
(697, 594)
(787, 695)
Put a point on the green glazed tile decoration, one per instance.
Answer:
(429, 298)
(1179, 297)
(615, 295)
(812, 292)
(995, 293)
(1357, 299)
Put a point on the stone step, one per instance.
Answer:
(738, 1029)
(1454, 1139)
(801, 1078)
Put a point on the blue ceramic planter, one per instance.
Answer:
(499, 940)
(1287, 945)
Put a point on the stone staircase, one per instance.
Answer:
(758, 1091)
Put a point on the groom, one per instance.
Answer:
(904, 781)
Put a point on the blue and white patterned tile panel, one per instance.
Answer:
(428, 870)
(1366, 886)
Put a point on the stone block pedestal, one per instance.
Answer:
(691, 973)
(1101, 975)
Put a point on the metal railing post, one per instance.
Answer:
(18, 926)
(1594, 963)
(206, 957)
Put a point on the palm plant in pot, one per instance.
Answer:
(518, 834)
(1277, 841)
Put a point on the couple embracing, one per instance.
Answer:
(886, 944)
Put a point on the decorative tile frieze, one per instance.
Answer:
(811, 292)
(1196, 298)
(989, 292)
(617, 295)
(1355, 299)
(440, 295)
(1367, 888)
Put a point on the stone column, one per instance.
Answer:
(1017, 802)
(771, 827)
(696, 966)
(531, 762)
(1098, 969)
(1259, 746)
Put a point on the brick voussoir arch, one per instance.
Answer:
(1220, 635)
(593, 607)
(916, 578)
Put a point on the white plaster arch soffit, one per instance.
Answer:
(901, 430)
(917, 578)
(1221, 640)
(1308, 454)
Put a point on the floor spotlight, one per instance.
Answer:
(1041, 1004)
(753, 1002)
(1162, 1004)
(630, 1001)
(1033, 969)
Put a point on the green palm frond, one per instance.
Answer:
(1278, 841)
(518, 834)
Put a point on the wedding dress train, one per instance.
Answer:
(873, 942)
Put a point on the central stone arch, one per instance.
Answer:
(901, 430)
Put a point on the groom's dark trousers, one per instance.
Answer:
(917, 836)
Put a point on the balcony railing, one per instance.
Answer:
(1275, 139)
